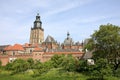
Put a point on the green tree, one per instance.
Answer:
(57, 60)
(41, 68)
(69, 63)
(0, 63)
(105, 43)
(82, 66)
(37, 65)
(100, 69)
(20, 65)
(9, 66)
(31, 63)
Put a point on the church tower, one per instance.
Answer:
(37, 32)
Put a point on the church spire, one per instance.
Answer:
(37, 17)
(37, 32)
(37, 22)
(68, 34)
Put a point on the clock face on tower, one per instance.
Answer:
(38, 24)
(37, 32)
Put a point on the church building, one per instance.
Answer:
(38, 49)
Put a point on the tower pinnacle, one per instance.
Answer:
(37, 32)
(37, 22)
(68, 34)
(37, 14)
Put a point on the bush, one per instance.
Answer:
(101, 69)
(31, 63)
(70, 63)
(117, 72)
(0, 63)
(57, 60)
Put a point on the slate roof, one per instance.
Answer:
(87, 55)
(2, 47)
(68, 41)
(49, 39)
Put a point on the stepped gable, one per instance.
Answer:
(16, 47)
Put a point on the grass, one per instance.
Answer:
(62, 75)
(53, 74)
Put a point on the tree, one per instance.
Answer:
(57, 60)
(9, 66)
(31, 62)
(69, 63)
(105, 43)
(82, 66)
(98, 71)
(101, 69)
(40, 68)
(19, 65)
(0, 63)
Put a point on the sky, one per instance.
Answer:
(78, 17)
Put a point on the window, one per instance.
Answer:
(30, 51)
(13, 53)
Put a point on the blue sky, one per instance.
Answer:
(80, 17)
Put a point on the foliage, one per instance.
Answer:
(19, 65)
(98, 71)
(101, 69)
(31, 63)
(85, 68)
(0, 63)
(37, 65)
(52, 74)
(69, 63)
(41, 68)
(57, 60)
(9, 66)
(117, 72)
(106, 44)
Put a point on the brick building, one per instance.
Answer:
(38, 49)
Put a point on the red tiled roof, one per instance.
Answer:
(8, 47)
(26, 45)
(38, 49)
(30, 45)
(16, 47)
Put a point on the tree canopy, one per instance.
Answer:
(105, 43)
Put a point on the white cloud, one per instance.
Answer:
(17, 16)
(63, 6)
